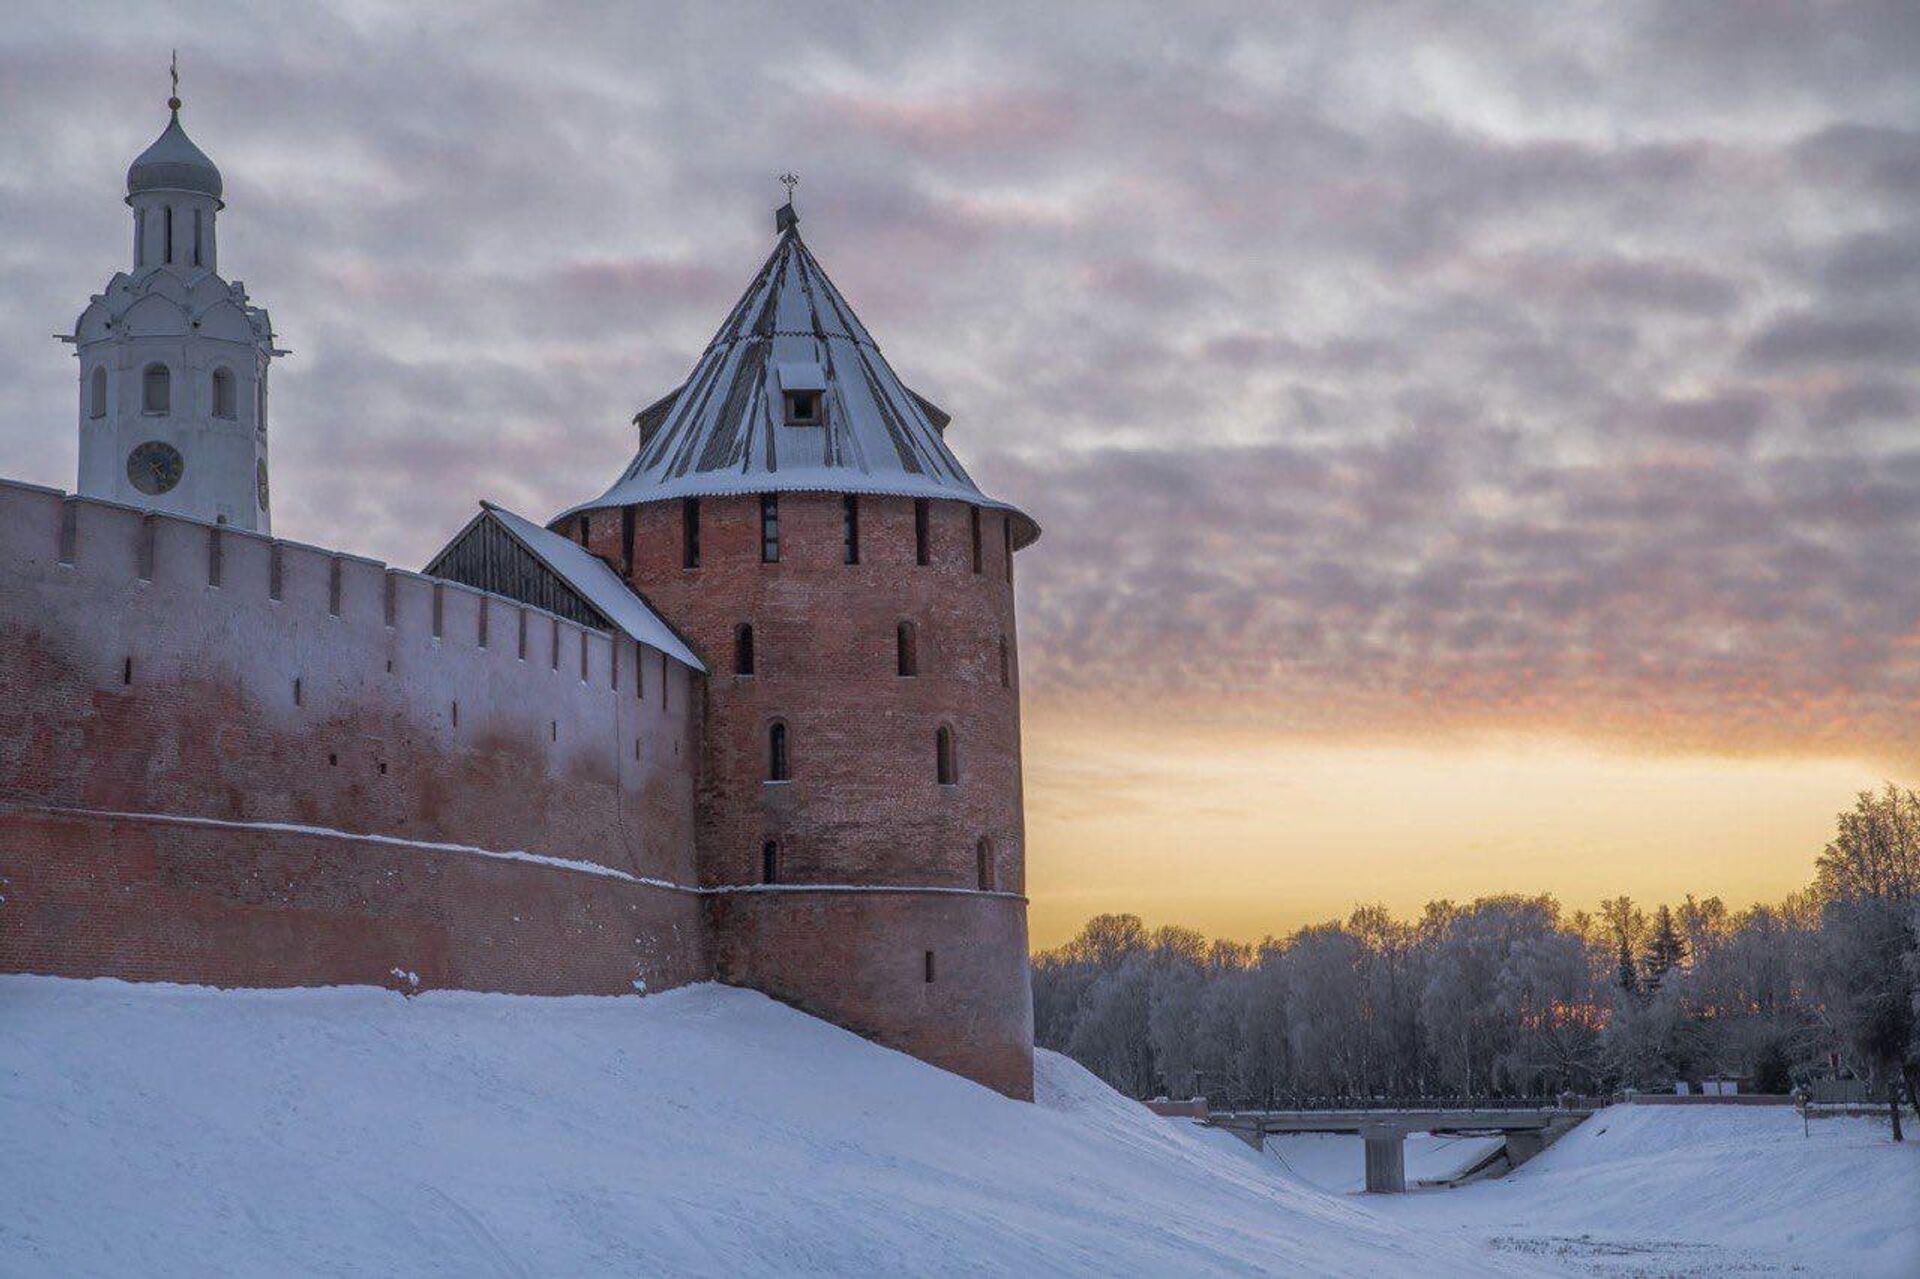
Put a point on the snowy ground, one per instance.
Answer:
(171, 1130)
(166, 1130)
(1667, 1190)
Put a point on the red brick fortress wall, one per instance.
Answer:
(225, 758)
(863, 804)
(860, 959)
(863, 807)
(152, 900)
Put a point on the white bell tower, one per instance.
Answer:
(173, 359)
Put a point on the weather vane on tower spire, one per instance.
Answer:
(173, 69)
(787, 216)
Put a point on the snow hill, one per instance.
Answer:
(1670, 1190)
(157, 1130)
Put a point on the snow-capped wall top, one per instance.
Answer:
(174, 163)
(742, 422)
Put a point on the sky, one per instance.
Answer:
(1476, 443)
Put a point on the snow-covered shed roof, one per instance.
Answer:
(725, 430)
(599, 596)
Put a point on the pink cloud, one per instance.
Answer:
(983, 122)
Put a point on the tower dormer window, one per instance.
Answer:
(225, 402)
(156, 389)
(803, 408)
(97, 394)
(802, 390)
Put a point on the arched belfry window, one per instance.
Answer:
(225, 403)
(946, 767)
(156, 389)
(97, 393)
(743, 649)
(983, 864)
(778, 769)
(907, 646)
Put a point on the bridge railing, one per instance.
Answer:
(1423, 1101)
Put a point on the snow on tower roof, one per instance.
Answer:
(732, 427)
(174, 163)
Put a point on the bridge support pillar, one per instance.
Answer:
(1254, 1137)
(1386, 1159)
(1522, 1146)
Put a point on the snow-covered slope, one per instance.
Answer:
(1698, 1190)
(169, 1130)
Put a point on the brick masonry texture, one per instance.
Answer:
(151, 665)
(863, 804)
(860, 961)
(150, 901)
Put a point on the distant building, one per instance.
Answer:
(173, 358)
(751, 714)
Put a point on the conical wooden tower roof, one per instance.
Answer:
(724, 430)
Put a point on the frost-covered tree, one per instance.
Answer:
(1506, 995)
(1326, 1011)
(1868, 879)
(1665, 950)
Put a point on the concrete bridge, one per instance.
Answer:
(1527, 1132)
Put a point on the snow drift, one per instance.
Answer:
(181, 1130)
(1671, 1190)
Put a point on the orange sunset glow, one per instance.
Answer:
(1471, 456)
(1250, 837)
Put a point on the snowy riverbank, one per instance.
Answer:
(1659, 1190)
(169, 1130)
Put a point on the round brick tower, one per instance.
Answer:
(795, 511)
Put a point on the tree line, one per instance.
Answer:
(1513, 996)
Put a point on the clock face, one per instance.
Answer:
(154, 467)
(260, 481)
